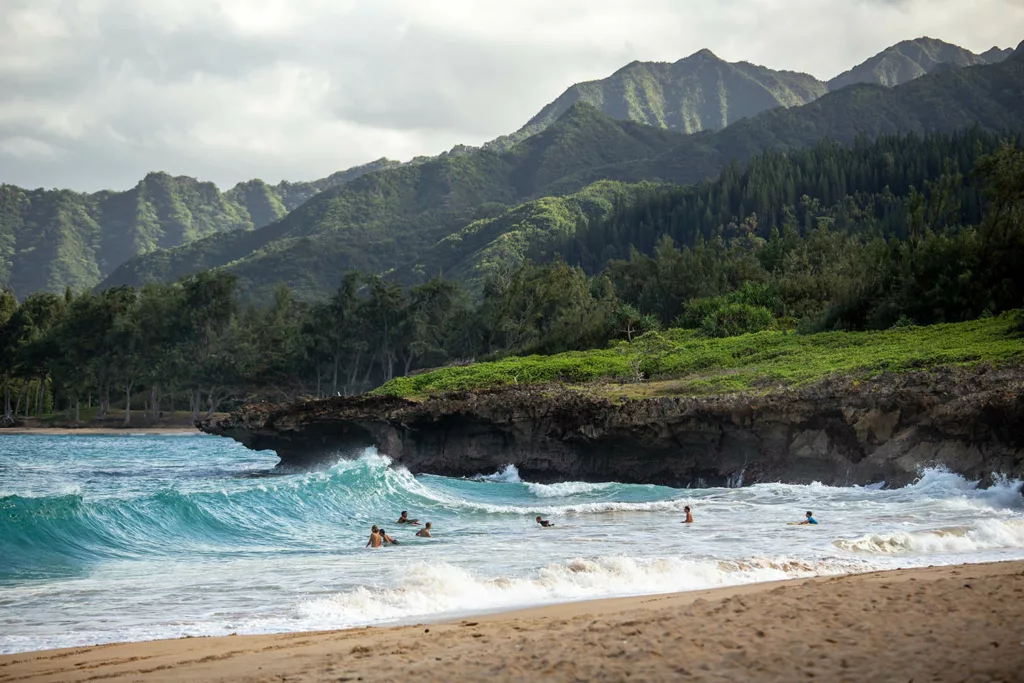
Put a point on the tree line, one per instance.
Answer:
(927, 230)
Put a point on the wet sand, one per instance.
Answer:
(962, 623)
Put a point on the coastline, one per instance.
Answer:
(844, 628)
(95, 431)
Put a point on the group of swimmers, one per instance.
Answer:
(379, 537)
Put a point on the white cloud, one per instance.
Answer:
(98, 92)
(21, 147)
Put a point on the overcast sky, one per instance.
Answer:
(95, 93)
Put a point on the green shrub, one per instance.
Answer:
(732, 320)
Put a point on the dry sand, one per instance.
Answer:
(938, 624)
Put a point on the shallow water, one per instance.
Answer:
(136, 537)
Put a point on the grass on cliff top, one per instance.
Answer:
(693, 365)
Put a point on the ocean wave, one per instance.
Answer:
(986, 534)
(509, 474)
(440, 588)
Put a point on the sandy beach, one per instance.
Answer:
(960, 623)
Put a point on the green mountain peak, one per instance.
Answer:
(699, 92)
(906, 61)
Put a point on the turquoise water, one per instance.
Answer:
(137, 537)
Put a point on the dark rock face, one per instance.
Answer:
(841, 431)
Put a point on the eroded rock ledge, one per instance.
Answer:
(841, 431)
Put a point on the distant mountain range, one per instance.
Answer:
(449, 215)
(912, 59)
(52, 239)
(374, 217)
(703, 92)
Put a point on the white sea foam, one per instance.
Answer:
(986, 534)
(509, 474)
(567, 488)
(442, 588)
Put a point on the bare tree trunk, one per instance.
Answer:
(369, 370)
(77, 412)
(213, 401)
(128, 405)
(104, 399)
(154, 401)
(195, 400)
(7, 398)
(21, 395)
(334, 384)
(352, 374)
(29, 398)
(39, 396)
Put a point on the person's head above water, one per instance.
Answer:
(374, 528)
(686, 509)
(405, 513)
(810, 514)
(538, 518)
(429, 524)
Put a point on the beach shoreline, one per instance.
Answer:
(947, 623)
(96, 431)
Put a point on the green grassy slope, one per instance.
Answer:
(692, 365)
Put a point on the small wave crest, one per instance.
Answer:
(509, 474)
(988, 534)
(567, 488)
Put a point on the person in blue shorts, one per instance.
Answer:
(810, 518)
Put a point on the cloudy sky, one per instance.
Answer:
(95, 93)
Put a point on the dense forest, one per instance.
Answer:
(905, 230)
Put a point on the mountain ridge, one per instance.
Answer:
(372, 223)
(56, 238)
(380, 223)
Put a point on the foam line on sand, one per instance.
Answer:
(958, 623)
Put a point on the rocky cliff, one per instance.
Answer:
(842, 431)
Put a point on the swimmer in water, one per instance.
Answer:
(810, 519)
(387, 539)
(375, 540)
(543, 522)
(689, 515)
(404, 519)
(425, 531)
